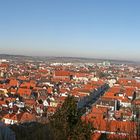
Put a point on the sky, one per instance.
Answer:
(107, 29)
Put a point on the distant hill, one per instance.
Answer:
(64, 59)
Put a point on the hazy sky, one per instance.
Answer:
(87, 28)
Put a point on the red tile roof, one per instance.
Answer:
(62, 73)
(24, 91)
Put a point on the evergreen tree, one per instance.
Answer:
(66, 122)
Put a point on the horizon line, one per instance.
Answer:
(78, 57)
